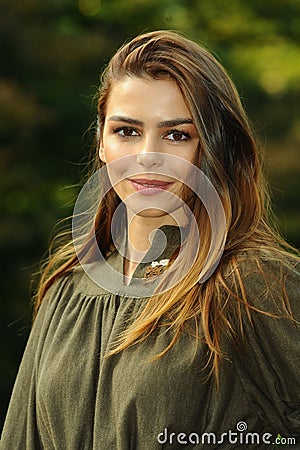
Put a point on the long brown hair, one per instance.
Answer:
(229, 157)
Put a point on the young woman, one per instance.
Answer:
(172, 319)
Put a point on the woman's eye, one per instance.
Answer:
(126, 131)
(177, 136)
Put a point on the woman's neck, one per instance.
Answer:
(140, 233)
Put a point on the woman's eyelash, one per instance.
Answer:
(125, 129)
(179, 132)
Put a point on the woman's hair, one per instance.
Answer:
(228, 156)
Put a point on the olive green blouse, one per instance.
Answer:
(69, 396)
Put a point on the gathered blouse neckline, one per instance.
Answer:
(106, 277)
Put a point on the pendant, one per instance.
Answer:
(154, 270)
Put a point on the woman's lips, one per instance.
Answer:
(149, 187)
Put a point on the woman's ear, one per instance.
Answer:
(102, 153)
(100, 143)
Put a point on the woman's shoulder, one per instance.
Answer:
(67, 287)
(271, 262)
(270, 281)
(76, 281)
(270, 268)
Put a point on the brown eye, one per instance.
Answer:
(126, 132)
(177, 136)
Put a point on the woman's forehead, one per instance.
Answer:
(147, 97)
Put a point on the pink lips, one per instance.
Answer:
(149, 187)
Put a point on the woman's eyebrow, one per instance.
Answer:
(162, 124)
(126, 120)
(174, 122)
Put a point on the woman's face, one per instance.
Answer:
(147, 121)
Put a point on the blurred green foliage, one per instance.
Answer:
(51, 55)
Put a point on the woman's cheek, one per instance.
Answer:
(115, 151)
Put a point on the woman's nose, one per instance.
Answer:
(149, 155)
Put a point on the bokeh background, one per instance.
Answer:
(51, 55)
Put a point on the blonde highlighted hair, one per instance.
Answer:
(229, 157)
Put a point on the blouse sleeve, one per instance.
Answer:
(270, 369)
(20, 431)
